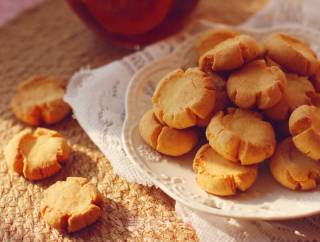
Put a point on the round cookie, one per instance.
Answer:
(71, 205)
(182, 97)
(293, 169)
(230, 54)
(299, 91)
(220, 176)
(304, 125)
(39, 100)
(37, 155)
(241, 136)
(209, 39)
(292, 53)
(256, 85)
(166, 140)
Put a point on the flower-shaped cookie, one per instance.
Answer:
(256, 84)
(293, 169)
(182, 97)
(230, 54)
(241, 136)
(299, 91)
(220, 176)
(37, 155)
(39, 100)
(71, 205)
(292, 53)
(209, 39)
(304, 125)
(166, 140)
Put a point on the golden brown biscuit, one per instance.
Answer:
(220, 176)
(293, 169)
(39, 100)
(166, 140)
(298, 91)
(241, 136)
(71, 205)
(256, 85)
(304, 125)
(209, 39)
(292, 53)
(182, 97)
(36, 155)
(230, 54)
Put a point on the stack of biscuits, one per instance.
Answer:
(253, 102)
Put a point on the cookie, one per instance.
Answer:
(293, 169)
(166, 140)
(39, 100)
(304, 125)
(256, 85)
(299, 91)
(230, 54)
(241, 136)
(209, 39)
(182, 97)
(292, 53)
(36, 155)
(220, 176)
(71, 205)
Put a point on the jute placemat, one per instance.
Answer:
(50, 39)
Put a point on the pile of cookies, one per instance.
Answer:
(67, 205)
(253, 101)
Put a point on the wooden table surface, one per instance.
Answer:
(50, 39)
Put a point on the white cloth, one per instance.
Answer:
(97, 99)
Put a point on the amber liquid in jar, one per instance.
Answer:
(134, 23)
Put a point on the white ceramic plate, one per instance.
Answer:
(265, 200)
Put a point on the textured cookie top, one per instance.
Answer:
(256, 84)
(36, 155)
(292, 168)
(183, 96)
(299, 91)
(292, 53)
(71, 205)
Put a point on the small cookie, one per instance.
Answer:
(36, 155)
(182, 97)
(293, 169)
(230, 54)
(39, 100)
(292, 53)
(304, 125)
(166, 140)
(220, 176)
(256, 85)
(241, 136)
(209, 39)
(299, 91)
(71, 205)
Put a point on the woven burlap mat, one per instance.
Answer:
(49, 39)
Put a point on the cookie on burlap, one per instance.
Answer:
(230, 54)
(292, 53)
(220, 176)
(37, 155)
(71, 205)
(166, 140)
(241, 136)
(256, 85)
(182, 97)
(293, 169)
(299, 91)
(304, 125)
(39, 100)
(209, 39)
